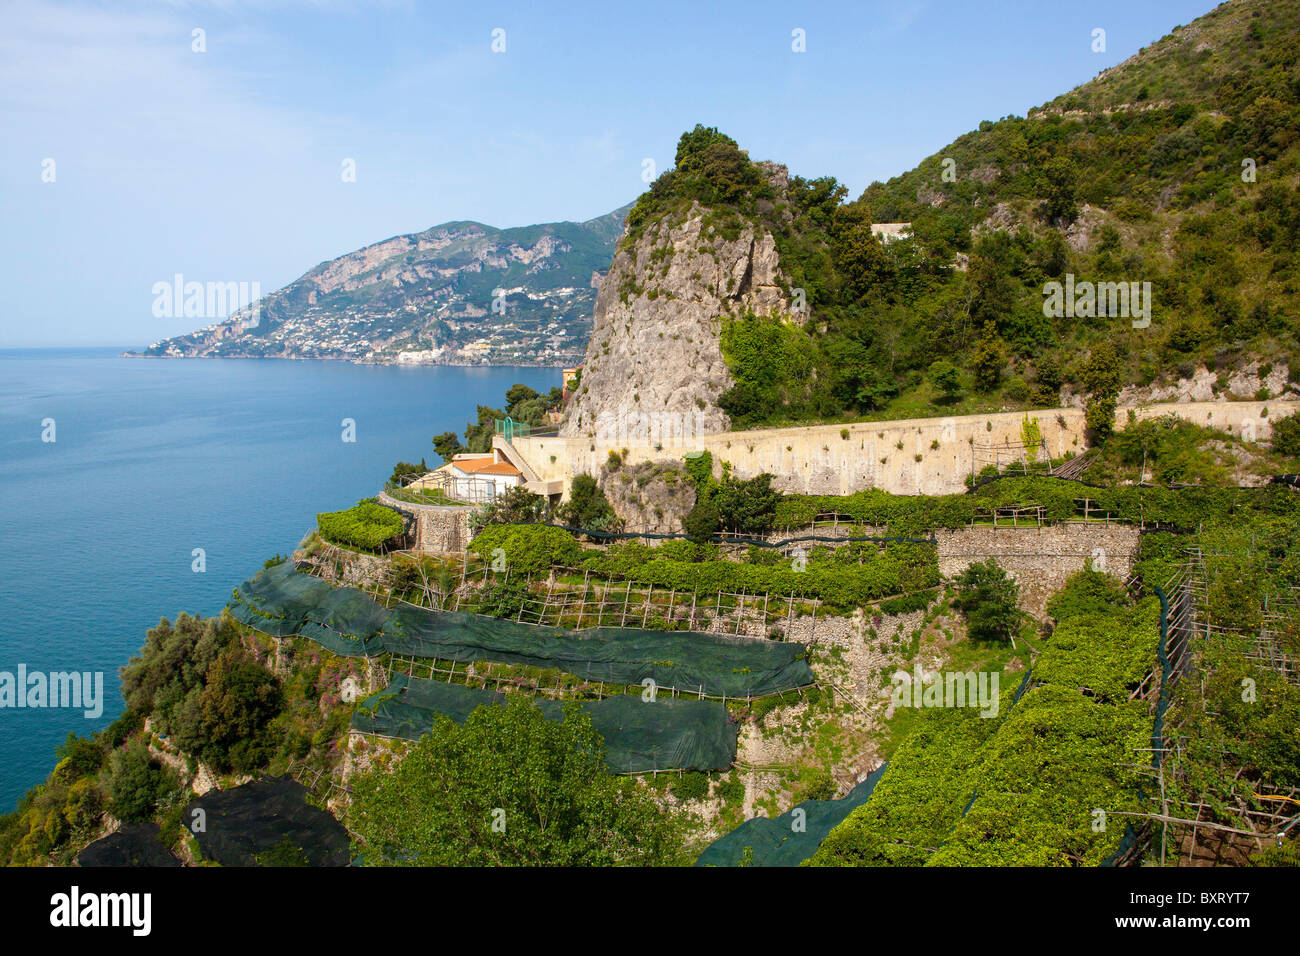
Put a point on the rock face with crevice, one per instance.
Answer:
(654, 367)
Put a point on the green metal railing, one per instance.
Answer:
(510, 429)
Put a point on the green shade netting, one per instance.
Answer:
(775, 840)
(640, 736)
(282, 601)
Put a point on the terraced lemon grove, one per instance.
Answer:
(1027, 787)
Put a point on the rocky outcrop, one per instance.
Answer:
(652, 496)
(654, 361)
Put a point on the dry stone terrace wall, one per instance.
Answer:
(936, 454)
(438, 528)
(1041, 559)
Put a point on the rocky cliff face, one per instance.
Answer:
(653, 496)
(654, 368)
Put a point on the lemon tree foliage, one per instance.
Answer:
(843, 578)
(510, 788)
(920, 797)
(905, 515)
(1021, 788)
(367, 525)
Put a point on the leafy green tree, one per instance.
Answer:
(1061, 182)
(526, 405)
(136, 781)
(515, 506)
(447, 445)
(986, 596)
(748, 404)
(990, 358)
(747, 507)
(1049, 377)
(1102, 376)
(511, 788)
(518, 393)
(478, 437)
(587, 507)
(702, 522)
(228, 722)
(993, 290)
(946, 378)
(404, 471)
(1054, 255)
(859, 256)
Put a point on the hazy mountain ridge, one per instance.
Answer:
(428, 298)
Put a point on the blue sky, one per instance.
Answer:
(226, 165)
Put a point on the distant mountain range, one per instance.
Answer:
(460, 293)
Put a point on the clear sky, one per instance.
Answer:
(227, 165)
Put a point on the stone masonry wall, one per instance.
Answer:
(439, 529)
(935, 456)
(1041, 559)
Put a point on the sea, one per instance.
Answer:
(117, 475)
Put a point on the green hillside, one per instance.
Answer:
(1178, 168)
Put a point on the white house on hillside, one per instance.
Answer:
(478, 478)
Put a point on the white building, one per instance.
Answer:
(478, 478)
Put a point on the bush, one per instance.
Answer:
(136, 782)
(986, 596)
(1286, 436)
(747, 507)
(691, 786)
(587, 506)
(528, 548)
(367, 525)
(702, 522)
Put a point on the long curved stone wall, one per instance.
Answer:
(929, 456)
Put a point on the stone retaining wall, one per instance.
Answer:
(1041, 559)
(438, 529)
(923, 456)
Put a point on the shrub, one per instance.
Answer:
(986, 596)
(136, 781)
(1286, 436)
(367, 525)
(748, 506)
(691, 786)
(587, 506)
(702, 522)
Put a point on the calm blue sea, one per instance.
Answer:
(154, 458)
